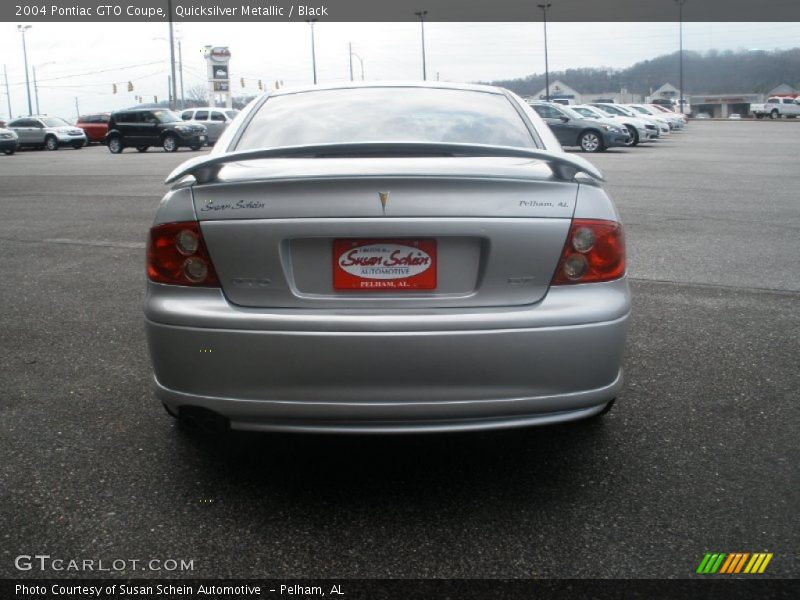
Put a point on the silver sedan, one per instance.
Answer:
(386, 258)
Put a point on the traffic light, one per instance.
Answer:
(130, 86)
(260, 85)
(113, 88)
(241, 80)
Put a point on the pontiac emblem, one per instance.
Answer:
(384, 196)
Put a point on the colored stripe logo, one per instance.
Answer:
(736, 562)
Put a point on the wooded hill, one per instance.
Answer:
(713, 72)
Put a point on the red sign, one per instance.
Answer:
(385, 264)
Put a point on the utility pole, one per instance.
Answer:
(36, 85)
(421, 14)
(8, 93)
(544, 8)
(22, 29)
(680, 37)
(313, 50)
(180, 68)
(35, 90)
(350, 45)
(174, 85)
(77, 109)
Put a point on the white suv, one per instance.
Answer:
(215, 119)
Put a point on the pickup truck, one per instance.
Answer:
(776, 107)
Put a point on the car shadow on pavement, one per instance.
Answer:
(538, 463)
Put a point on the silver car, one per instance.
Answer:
(640, 131)
(9, 141)
(216, 120)
(49, 133)
(386, 258)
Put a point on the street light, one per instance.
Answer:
(421, 14)
(22, 29)
(35, 84)
(352, 54)
(544, 8)
(680, 36)
(8, 92)
(313, 50)
(361, 61)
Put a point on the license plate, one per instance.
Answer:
(384, 264)
(202, 137)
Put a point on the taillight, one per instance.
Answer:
(595, 251)
(177, 254)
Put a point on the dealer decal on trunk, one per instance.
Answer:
(391, 264)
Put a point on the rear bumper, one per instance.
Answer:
(555, 361)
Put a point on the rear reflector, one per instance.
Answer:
(595, 251)
(177, 255)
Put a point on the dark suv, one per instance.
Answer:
(145, 127)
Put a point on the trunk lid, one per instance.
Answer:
(490, 230)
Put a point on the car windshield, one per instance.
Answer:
(586, 112)
(386, 114)
(231, 113)
(54, 122)
(642, 110)
(570, 112)
(166, 116)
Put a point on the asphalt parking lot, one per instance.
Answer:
(699, 455)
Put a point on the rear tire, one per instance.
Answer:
(774, 115)
(170, 143)
(196, 148)
(142, 148)
(590, 141)
(115, 145)
(50, 143)
(9, 151)
(77, 145)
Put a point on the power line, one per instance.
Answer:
(156, 62)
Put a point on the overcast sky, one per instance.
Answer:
(83, 60)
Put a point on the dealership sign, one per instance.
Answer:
(220, 54)
(218, 73)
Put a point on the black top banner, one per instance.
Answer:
(399, 10)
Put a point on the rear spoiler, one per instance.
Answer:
(206, 168)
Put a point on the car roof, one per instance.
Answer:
(439, 85)
(136, 110)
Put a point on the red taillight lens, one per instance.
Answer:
(595, 251)
(177, 254)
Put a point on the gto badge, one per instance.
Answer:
(384, 196)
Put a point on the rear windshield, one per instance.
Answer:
(386, 115)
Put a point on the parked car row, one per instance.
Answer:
(598, 126)
(140, 128)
